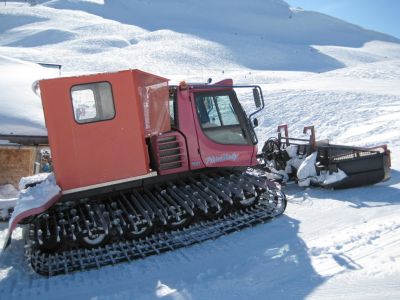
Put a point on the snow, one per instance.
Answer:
(313, 69)
(36, 196)
(20, 109)
(326, 178)
(28, 180)
(8, 199)
(295, 160)
(8, 191)
(164, 290)
(307, 170)
(307, 174)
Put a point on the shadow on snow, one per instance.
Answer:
(267, 261)
(379, 195)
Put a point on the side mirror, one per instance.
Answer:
(36, 88)
(257, 98)
(255, 122)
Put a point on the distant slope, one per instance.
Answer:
(177, 36)
(274, 20)
(173, 38)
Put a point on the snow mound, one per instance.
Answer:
(20, 109)
(164, 290)
(24, 182)
(36, 196)
(8, 199)
(42, 37)
(8, 191)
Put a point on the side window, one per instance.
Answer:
(92, 102)
(172, 104)
(216, 111)
(207, 111)
(218, 118)
(228, 115)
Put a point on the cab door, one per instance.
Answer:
(222, 129)
(95, 126)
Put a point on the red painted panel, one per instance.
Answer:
(221, 155)
(202, 151)
(187, 126)
(99, 152)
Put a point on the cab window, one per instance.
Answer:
(92, 102)
(172, 108)
(219, 118)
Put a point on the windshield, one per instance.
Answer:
(219, 116)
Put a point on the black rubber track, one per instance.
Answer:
(75, 258)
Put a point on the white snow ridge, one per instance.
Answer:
(313, 70)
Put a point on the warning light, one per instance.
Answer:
(183, 85)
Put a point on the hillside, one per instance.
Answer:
(176, 36)
(156, 36)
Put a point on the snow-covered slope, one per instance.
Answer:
(314, 69)
(177, 39)
(20, 108)
(178, 36)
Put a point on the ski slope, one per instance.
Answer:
(313, 69)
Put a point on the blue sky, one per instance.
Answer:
(379, 15)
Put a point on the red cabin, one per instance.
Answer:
(111, 128)
(98, 124)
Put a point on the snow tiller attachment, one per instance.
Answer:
(308, 161)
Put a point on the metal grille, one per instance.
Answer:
(334, 154)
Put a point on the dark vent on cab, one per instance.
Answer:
(170, 153)
(170, 149)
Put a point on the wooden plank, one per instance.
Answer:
(16, 162)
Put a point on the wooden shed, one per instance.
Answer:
(16, 162)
